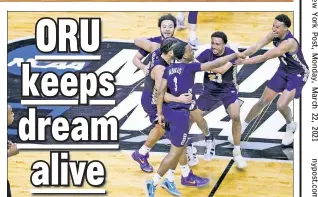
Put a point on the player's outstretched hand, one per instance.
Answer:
(13, 150)
(9, 144)
(239, 62)
(185, 98)
(240, 55)
(161, 120)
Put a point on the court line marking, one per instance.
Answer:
(220, 180)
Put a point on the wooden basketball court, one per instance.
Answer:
(262, 178)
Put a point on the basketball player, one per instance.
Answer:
(160, 60)
(167, 24)
(11, 147)
(220, 85)
(192, 20)
(142, 155)
(289, 79)
(179, 78)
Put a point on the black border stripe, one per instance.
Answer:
(217, 185)
(300, 108)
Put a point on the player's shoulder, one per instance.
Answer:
(178, 39)
(191, 65)
(290, 40)
(290, 44)
(175, 65)
(160, 62)
(158, 68)
(206, 52)
(156, 52)
(228, 50)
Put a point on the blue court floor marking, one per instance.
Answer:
(56, 111)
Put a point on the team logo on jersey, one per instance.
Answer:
(262, 138)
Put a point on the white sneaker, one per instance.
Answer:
(192, 155)
(180, 23)
(194, 43)
(289, 135)
(239, 160)
(210, 150)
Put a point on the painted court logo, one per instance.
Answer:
(116, 57)
(22, 52)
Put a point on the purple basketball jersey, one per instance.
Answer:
(180, 77)
(292, 63)
(149, 94)
(216, 80)
(218, 87)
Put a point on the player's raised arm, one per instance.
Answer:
(143, 42)
(221, 70)
(203, 57)
(218, 62)
(146, 44)
(283, 48)
(137, 62)
(260, 44)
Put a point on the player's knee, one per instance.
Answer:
(173, 155)
(191, 120)
(156, 134)
(198, 119)
(201, 121)
(195, 115)
(281, 106)
(235, 117)
(159, 130)
(167, 160)
(263, 102)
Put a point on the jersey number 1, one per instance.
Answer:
(175, 80)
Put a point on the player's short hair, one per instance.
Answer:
(179, 49)
(220, 34)
(9, 108)
(167, 44)
(167, 17)
(284, 19)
